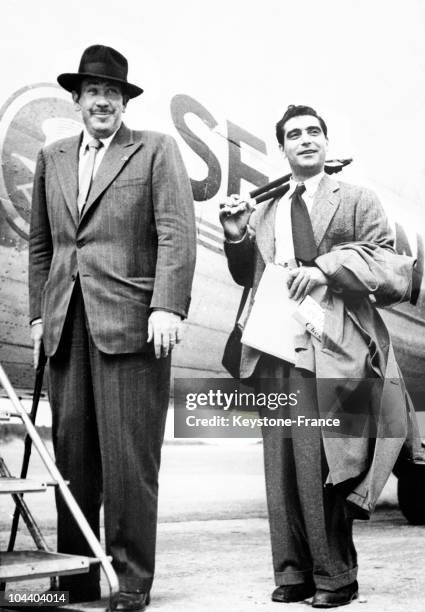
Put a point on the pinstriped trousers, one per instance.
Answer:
(108, 426)
(310, 528)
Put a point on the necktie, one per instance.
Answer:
(305, 249)
(86, 175)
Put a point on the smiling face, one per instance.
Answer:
(305, 146)
(101, 103)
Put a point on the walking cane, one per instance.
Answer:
(38, 384)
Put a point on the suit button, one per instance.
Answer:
(80, 244)
(73, 277)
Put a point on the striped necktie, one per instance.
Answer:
(86, 176)
(305, 249)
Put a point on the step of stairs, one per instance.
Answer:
(21, 485)
(27, 564)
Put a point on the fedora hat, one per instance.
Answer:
(100, 62)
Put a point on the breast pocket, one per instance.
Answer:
(340, 233)
(127, 198)
(123, 182)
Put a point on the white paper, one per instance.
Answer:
(311, 315)
(271, 327)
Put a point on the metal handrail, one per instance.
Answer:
(69, 499)
(38, 385)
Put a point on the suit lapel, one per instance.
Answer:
(265, 234)
(119, 152)
(67, 168)
(325, 205)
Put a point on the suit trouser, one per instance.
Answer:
(108, 425)
(311, 532)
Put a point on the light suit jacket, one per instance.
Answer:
(133, 246)
(341, 214)
(356, 253)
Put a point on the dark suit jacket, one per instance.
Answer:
(133, 247)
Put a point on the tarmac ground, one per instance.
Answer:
(213, 549)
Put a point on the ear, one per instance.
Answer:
(75, 98)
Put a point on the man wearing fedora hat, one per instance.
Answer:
(112, 253)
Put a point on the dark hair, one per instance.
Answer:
(297, 110)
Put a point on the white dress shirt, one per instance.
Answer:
(284, 245)
(99, 156)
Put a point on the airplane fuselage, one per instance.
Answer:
(39, 114)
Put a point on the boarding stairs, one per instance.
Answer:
(42, 561)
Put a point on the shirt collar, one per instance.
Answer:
(88, 137)
(311, 184)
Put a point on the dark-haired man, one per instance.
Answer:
(112, 254)
(335, 241)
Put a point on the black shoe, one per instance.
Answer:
(288, 593)
(332, 599)
(133, 602)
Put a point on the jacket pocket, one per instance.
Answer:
(122, 183)
(143, 282)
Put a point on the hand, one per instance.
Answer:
(36, 337)
(234, 216)
(303, 280)
(165, 329)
